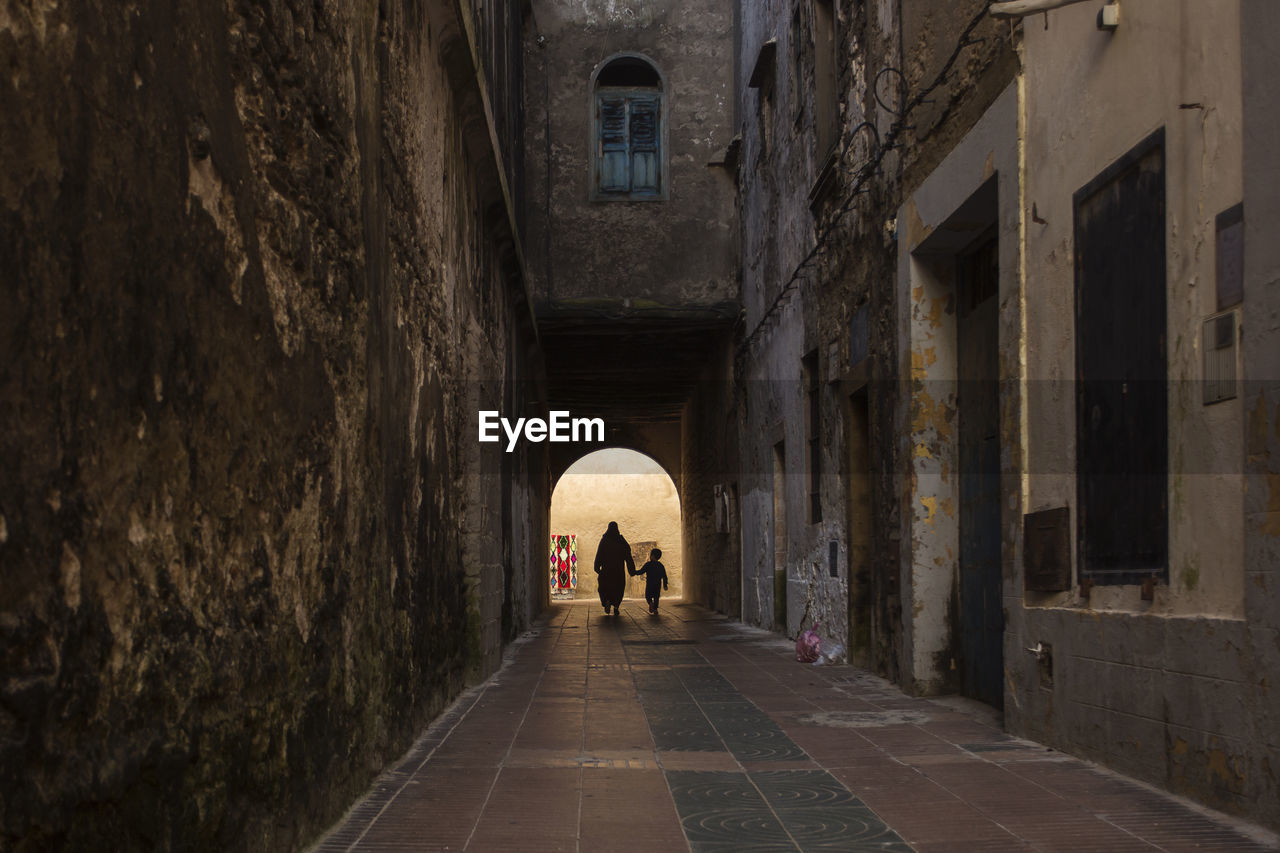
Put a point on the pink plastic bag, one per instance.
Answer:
(808, 646)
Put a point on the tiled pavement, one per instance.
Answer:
(690, 732)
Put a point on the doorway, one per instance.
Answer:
(858, 520)
(977, 367)
(780, 537)
(619, 485)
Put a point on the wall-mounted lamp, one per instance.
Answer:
(1109, 17)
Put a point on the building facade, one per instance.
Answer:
(1002, 430)
(632, 245)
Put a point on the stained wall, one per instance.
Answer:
(260, 261)
(1171, 687)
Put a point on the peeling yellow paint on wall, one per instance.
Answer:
(1225, 770)
(1271, 526)
(931, 504)
(927, 414)
(936, 307)
(918, 371)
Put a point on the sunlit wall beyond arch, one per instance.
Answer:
(631, 489)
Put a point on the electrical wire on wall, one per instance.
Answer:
(870, 168)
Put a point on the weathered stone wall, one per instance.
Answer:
(972, 192)
(1260, 31)
(666, 266)
(676, 252)
(712, 549)
(243, 245)
(819, 243)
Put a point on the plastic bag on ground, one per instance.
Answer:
(833, 653)
(809, 646)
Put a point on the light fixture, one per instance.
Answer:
(1109, 17)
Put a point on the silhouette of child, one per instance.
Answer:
(655, 579)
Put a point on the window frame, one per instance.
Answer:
(825, 35)
(810, 372)
(660, 94)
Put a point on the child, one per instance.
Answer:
(654, 574)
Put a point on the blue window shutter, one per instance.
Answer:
(644, 131)
(614, 172)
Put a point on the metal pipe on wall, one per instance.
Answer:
(1021, 8)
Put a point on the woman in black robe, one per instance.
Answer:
(613, 563)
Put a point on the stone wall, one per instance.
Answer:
(820, 236)
(244, 244)
(1259, 31)
(676, 252)
(637, 298)
(711, 488)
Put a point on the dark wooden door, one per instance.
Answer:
(981, 610)
(1121, 373)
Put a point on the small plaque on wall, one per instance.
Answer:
(1230, 256)
(1046, 539)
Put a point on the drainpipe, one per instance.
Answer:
(1021, 8)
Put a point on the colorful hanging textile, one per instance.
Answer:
(564, 562)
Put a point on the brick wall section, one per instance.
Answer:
(243, 244)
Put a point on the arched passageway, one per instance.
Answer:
(621, 485)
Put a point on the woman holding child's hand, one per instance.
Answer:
(613, 556)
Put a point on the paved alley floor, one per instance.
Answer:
(690, 732)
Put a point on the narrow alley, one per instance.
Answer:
(354, 353)
(691, 731)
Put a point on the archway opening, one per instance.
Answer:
(613, 485)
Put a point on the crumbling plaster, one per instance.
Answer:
(930, 235)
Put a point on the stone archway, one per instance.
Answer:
(622, 485)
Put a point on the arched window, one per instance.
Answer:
(627, 157)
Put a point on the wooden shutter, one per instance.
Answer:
(612, 162)
(644, 127)
(1122, 434)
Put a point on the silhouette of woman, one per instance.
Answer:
(613, 561)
